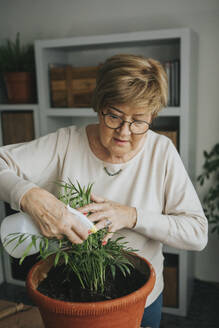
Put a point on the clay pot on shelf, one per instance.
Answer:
(20, 87)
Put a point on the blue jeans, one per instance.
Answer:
(152, 314)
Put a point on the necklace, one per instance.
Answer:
(111, 174)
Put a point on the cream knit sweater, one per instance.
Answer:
(154, 181)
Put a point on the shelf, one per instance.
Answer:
(171, 111)
(97, 40)
(71, 112)
(88, 112)
(171, 250)
(18, 107)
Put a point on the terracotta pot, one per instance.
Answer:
(20, 87)
(123, 312)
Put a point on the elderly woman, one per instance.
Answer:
(140, 184)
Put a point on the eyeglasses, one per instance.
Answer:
(113, 121)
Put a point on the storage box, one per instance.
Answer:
(173, 135)
(17, 126)
(171, 280)
(170, 292)
(72, 86)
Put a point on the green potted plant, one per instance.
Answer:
(17, 65)
(211, 197)
(88, 284)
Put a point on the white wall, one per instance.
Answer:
(44, 19)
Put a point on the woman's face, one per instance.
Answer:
(121, 143)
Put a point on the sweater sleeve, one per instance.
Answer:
(182, 223)
(30, 164)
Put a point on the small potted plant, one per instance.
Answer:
(17, 64)
(211, 198)
(92, 284)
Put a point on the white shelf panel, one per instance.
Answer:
(171, 250)
(113, 38)
(71, 112)
(88, 112)
(18, 107)
(171, 111)
(174, 311)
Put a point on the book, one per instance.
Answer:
(172, 68)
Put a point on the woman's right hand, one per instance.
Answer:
(52, 216)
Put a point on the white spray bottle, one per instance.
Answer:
(23, 223)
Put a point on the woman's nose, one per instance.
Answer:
(124, 129)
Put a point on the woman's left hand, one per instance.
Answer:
(107, 213)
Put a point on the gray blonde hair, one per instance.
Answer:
(134, 80)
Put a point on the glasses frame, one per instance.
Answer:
(124, 121)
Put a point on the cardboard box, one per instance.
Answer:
(17, 126)
(173, 135)
(72, 86)
(170, 292)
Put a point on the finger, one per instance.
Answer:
(49, 224)
(48, 234)
(44, 230)
(45, 234)
(97, 199)
(74, 224)
(98, 216)
(59, 237)
(107, 237)
(73, 237)
(92, 207)
(105, 223)
(77, 229)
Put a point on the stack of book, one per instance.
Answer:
(172, 68)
